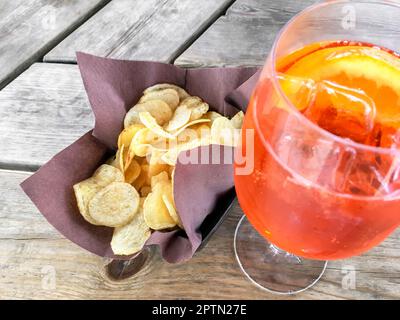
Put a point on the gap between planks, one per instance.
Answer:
(202, 30)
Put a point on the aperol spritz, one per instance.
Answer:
(326, 178)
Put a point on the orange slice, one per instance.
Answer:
(369, 69)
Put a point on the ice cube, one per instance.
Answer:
(300, 91)
(372, 174)
(343, 111)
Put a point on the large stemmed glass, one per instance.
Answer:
(290, 174)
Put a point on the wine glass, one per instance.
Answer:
(308, 195)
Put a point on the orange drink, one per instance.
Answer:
(318, 201)
(325, 149)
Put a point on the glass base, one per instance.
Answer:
(270, 268)
(124, 269)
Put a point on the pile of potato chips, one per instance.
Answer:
(133, 192)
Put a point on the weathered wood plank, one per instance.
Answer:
(232, 41)
(278, 11)
(41, 112)
(30, 250)
(143, 30)
(29, 28)
(19, 218)
(244, 36)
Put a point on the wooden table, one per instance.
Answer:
(43, 108)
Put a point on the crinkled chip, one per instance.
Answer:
(169, 96)
(114, 205)
(162, 86)
(237, 120)
(157, 108)
(131, 238)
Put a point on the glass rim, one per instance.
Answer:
(271, 62)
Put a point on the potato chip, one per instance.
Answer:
(212, 115)
(181, 92)
(119, 159)
(126, 136)
(112, 161)
(130, 239)
(237, 120)
(172, 210)
(132, 172)
(156, 213)
(223, 132)
(145, 191)
(165, 187)
(106, 174)
(162, 184)
(156, 165)
(190, 124)
(143, 179)
(157, 108)
(169, 96)
(84, 192)
(114, 205)
(191, 101)
(180, 118)
(171, 156)
(197, 107)
(141, 160)
(87, 189)
(150, 122)
(141, 143)
(171, 171)
(159, 179)
(203, 131)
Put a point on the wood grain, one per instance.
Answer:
(45, 109)
(29, 28)
(231, 41)
(142, 30)
(30, 250)
(277, 11)
(42, 112)
(244, 36)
